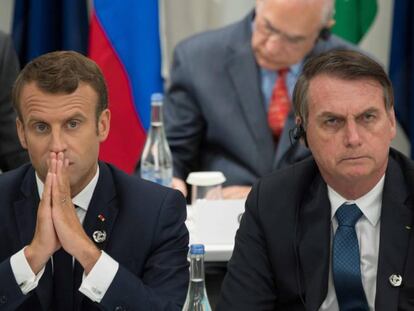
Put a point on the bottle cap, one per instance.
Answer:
(157, 98)
(197, 249)
(205, 178)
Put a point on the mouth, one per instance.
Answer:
(268, 59)
(354, 158)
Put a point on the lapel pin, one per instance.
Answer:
(101, 217)
(99, 236)
(395, 280)
(408, 227)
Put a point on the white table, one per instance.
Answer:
(214, 223)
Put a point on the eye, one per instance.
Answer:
(331, 121)
(41, 127)
(294, 40)
(73, 124)
(369, 117)
(267, 29)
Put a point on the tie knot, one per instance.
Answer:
(283, 72)
(348, 215)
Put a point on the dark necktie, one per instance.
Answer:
(346, 261)
(279, 105)
(62, 281)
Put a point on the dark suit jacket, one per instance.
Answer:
(282, 252)
(215, 113)
(12, 154)
(145, 230)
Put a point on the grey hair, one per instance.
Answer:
(328, 11)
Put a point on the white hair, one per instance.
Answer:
(328, 11)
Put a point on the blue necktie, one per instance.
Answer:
(346, 261)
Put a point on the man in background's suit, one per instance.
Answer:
(333, 232)
(222, 81)
(77, 234)
(12, 154)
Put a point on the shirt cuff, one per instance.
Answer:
(96, 283)
(25, 277)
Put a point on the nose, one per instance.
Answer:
(352, 134)
(274, 43)
(57, 141)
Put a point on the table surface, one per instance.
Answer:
(214, 223)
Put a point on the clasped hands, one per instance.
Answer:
(57, 223)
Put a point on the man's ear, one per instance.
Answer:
(104, 125)
(21, 133)
(393, 122)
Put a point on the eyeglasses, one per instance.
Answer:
(271, 32)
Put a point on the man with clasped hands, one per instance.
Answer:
(78, 234)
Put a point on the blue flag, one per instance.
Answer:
(402, 65)
(42, 26)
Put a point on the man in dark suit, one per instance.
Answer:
(78, 234)
(12, 154)
(222, 84)
(332, 232)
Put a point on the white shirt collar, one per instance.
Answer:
(369, 204)
(83, 198)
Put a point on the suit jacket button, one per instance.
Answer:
(3, 299)
(119, 308)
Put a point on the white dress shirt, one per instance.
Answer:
(96, 283)
(368, 233)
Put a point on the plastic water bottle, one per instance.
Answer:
(197, 299)
(156, 160)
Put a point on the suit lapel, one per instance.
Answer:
(26, 208)
(394, 236)
(245, 75)
(314, 244)
(102, 206)
(285, 141)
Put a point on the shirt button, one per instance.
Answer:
(119, 308)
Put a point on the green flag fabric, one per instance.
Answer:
(353, 18)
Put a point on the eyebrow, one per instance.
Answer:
(35, 118)
(76, 115)
(327, 114)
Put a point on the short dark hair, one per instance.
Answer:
(61, 72)
(342, 64)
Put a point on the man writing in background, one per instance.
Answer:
(98, 238)
(228, 106)
(332, 232)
